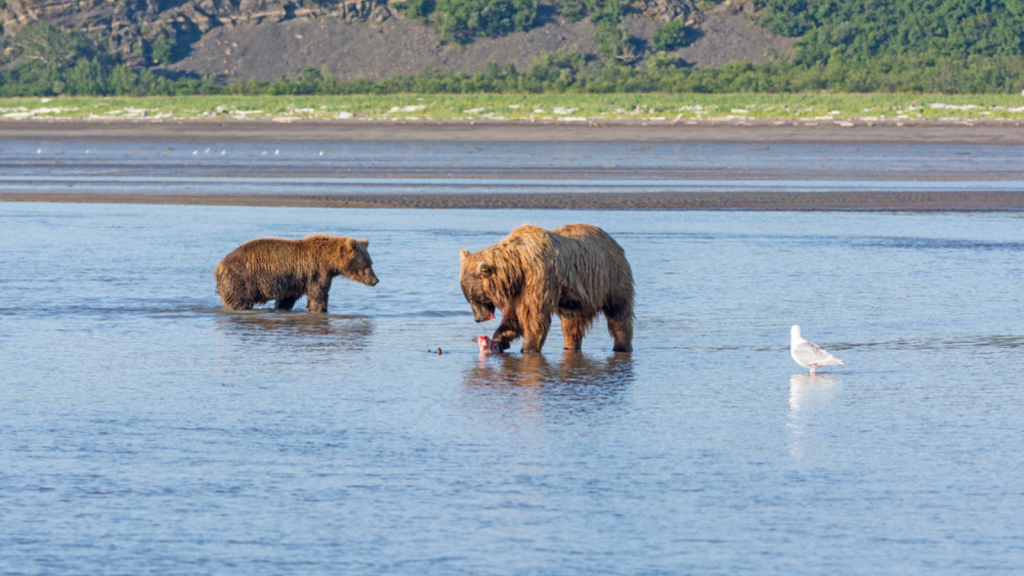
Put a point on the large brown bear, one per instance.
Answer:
(283, 270)
(576, 271)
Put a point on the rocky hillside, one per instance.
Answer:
(130, 24)
(265, 39)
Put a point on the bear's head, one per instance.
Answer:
(357, 263)
(475, 279)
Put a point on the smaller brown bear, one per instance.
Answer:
(283, 270)
(577, 271)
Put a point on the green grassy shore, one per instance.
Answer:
(549, 107)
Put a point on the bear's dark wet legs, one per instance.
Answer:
(316, 300)
(316, 304)
(285, 303)
(317, 289)
(620, 326)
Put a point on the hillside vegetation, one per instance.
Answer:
(865, 28)
(944, 46)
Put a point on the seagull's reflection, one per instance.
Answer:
(808, 394)
(297, 330)
(807, 391)
(576, 383)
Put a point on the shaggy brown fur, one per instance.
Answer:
(576, 271)
(283, 270)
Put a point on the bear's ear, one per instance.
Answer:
(463, 254)
(484, 269)
(349, 243)
(363, 243)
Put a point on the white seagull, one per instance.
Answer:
(809, 354)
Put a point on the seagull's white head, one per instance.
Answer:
(794, 332)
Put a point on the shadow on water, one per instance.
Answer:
(576, 382)
(284, 329)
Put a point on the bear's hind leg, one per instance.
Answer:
(620, 326)
(574, 329)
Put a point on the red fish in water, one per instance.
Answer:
(487, 346)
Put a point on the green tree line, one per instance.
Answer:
(867, 28)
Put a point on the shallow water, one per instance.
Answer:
(142, 167)
(146, 430)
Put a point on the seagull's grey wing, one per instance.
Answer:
(810, 353)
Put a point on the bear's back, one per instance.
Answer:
(580, 231)
(585, 238)
(262, 253)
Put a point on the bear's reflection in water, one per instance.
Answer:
(577, 382)
(279, 330)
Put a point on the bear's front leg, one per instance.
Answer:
(237, 304)
(508, 330)
(316, 296)
(573, 330)
(316, 304)
(535, 332)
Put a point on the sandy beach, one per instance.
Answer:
(767, 131)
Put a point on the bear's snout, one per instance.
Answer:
(370, 279)
(482, 313)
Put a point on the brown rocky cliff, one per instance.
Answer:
(127, 22)
(265, 39)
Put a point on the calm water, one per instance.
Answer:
(145, 430)
(395, 167)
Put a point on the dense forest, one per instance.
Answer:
(942, 46)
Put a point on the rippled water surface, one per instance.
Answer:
(250, 167)
(145, 430)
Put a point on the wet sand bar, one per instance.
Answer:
(766, 132)
(805, 201)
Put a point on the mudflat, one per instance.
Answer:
(918, 162)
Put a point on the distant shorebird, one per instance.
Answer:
(808, 354)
